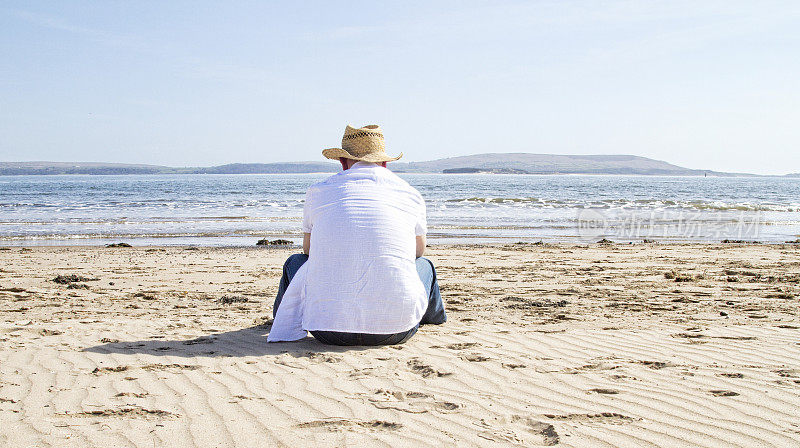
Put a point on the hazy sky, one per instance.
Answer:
(703, 84)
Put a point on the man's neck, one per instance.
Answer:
(349, 163)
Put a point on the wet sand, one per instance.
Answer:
(599, 345)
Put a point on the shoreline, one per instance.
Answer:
(430, 245)
(319, 173)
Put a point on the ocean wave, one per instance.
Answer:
(150, 220)
(653, 204)
(153, 204)
(171, 235)
(500, 227)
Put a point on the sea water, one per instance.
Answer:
(225, 210)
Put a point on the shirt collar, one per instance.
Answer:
(360, 164)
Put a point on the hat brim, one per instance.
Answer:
(336, 153)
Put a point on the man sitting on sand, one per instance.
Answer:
(361, 279)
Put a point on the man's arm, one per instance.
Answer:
(307, 243)
(420, 245)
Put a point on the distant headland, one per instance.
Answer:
(507, 163)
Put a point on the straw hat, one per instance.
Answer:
(365, 144)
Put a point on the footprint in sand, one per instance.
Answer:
(319, 357)
(131, 394)
(170, 367)
(128, 411)
(512, 366)
(200, 340)
(364, 372)
(658, 365)
(604, 391)
(150, 367)
(475, 357)
(463, 345)
(736, 338)
(345, 424)
(411, 402)
(787, 373)
(598, 366)
(602, 417)
(518, 430)
(723, 393)
(426, 371)
(99, 370)
(286, 360)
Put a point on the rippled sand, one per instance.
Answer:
(606, 345)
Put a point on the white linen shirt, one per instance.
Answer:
(361, 274)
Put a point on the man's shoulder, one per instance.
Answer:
(328, 181)
(379, 176)
(389, 176)
(399, 182)
(410, 195)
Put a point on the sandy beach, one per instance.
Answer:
(599, 345)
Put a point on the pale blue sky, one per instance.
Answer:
(703, 84)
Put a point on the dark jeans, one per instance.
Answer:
(433, 315)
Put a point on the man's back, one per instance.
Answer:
(361, 275)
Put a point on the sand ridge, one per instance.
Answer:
(599, 345)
